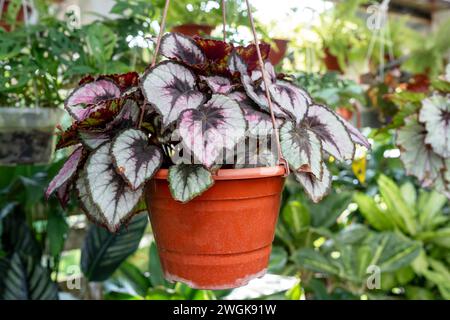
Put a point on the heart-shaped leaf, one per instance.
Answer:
(301, 148)
(66, 173)
(93, 139)
(134, 158)
(418, 158)
(435, 114)
(356, 135)
(290, 98)
(182, 48)
(107, 189)
(187, 181)
(314, 187)
(259, 123)
(85, 201)
(79, 103)
(218, 84)
(103, 251)
(216, 125)
(170, 87)
(331, 131)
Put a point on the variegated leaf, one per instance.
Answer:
(80, 103)
(67, 171)
(259, 123)
(218, 84)
(315, 188)
(418, 158)
(237, 64)
(331, 131)
(442, 183)
(187, 181)
(183, 48)
(255, 153)
(134, 158)
(109, 192)
(207, 131)
(170, 87)
(85, 200)
(301, 148)
(356, 135)
(93, 139)
(435, 114)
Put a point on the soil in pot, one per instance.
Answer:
(192, 29)
(27, 135)
(277, 54)
(223, 238)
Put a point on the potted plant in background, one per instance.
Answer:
(169, 136)
(199, 18)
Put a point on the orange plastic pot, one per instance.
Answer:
(222, 238)
(192, 29)
(345, 113)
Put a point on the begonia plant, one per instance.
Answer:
(202, 108)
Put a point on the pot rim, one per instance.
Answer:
(235, 174)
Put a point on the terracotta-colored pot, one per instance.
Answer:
(192, 29)
(345, 113)
(277, 54)
(19, 18)
(331, 61)
(223, 238)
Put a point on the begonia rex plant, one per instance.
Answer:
(191, 114)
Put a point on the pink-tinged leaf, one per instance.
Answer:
(435, 114)
(356, 135)
(218, 84)
(236, 64)
(66, 172)
(418, 157)
(331, 131)
(108, 191)
(290, 98)
(182, 48)
(63, 193)
(170, 87)
(125, 81)
(315, 188)
(135, 160)
(93, 139)
(80, 103)
(259, 123)
(219, 124)
(85, 200)
(301, 148)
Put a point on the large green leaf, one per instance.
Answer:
(26, 279)
(376, 217)
(135, 278)
(401, 212)
(329, 209)
(156, 273)
(57, 229)
(103, 251)
(314, 260)
(296, 217)
(393, 251)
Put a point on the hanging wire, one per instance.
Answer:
(281, 160)
(161, 31)
(224, 21)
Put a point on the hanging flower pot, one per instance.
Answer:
(192, 29)
(279, 51)
(222, 238)
(186, 135)
(345, 113)
(331, 61)
(20, 17)
(27, 135)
